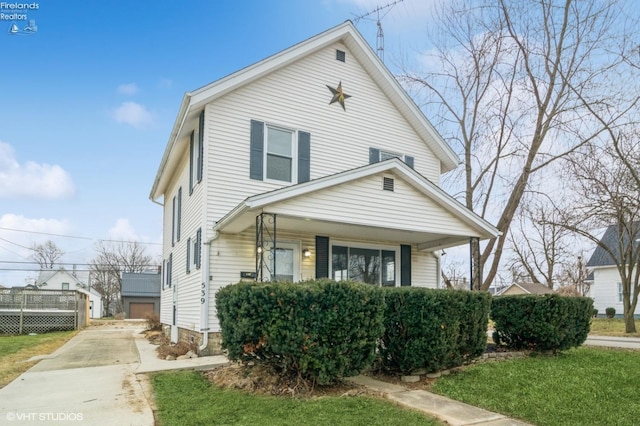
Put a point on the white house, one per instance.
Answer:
(311, 163)
(62, 279)
(606, 287)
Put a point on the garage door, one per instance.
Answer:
(140, 310)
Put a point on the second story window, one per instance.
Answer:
(279, 154)
(280, 151)
(376, 155)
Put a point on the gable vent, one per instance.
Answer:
(341, 56)
(387, 184)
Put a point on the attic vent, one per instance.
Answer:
(340, 55)
(387, 184)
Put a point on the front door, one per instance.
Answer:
(286, 262)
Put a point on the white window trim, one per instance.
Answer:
(619, 292)
(294, 153)
(370, 246)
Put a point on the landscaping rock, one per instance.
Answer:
(181, 357)
(419, 372)
(435, 375)
(170, 357)
(192, 354)
(410, 379)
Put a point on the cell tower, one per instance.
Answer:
(380, 36)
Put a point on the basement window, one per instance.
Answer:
(387, 184)
(340, 55)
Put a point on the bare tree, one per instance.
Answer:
(608, 185)
(540, 245)
(573, 278)
(507, 82)
(46, 255)
(111, 260)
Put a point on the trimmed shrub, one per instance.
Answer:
(610, 312)
(318, 330)
(541, 322)
(594, 313)
(432, 329)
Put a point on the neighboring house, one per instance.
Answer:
(525, 288)
(312, 163)
(62, 279)
(141, 294)
(606, 287)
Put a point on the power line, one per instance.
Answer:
(71, 236)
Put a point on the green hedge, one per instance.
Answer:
(541, 323)
(318, 330)
(433, 329)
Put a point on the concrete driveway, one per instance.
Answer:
(613, 342)
(94, 379)
(89, 381)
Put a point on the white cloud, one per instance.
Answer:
(128, 89)
(133, 114)
(123, 230)
(32, 179)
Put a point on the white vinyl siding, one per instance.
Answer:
(606, 290)
(187, 285)
(404, 208)
(339, 140)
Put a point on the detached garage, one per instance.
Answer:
(140, 294)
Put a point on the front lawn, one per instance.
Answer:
(584, 386)
(14, 350)
(612, 327)
(188, 398)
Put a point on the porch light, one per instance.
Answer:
(306, 253)
(259, 250)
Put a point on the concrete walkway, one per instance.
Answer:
(613, 342)
(452, 412)
(94, 379)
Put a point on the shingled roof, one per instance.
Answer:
(601, 257)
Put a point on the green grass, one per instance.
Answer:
(611, 327)
(584, 386)
(13, 344)
(187, 398)
(15, 350)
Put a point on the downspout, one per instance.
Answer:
(438, 257)
(204, 306)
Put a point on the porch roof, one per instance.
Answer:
(344, 205)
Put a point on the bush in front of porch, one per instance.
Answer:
(318, 330)
(432, 329)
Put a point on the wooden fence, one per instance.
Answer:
(24, 311)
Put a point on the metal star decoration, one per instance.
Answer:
(338, 95)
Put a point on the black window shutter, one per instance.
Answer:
(188, 255)
(173, 222)
(198, 249)
(405, 265)
(170, 270)
(200, 145)
(322, 257)
(374, 155)
(408, 160)
(191, 164)
(179, 225)
(164, 273)
(304, 156)
(257, 145)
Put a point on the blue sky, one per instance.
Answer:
(88, 102)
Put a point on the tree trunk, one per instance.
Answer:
(629, 322)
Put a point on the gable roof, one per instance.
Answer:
(141, 284)
(244, 213)
(194, 102)
(530, 288)
(601, 257)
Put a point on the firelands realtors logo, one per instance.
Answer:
(19, 16)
